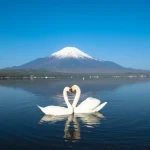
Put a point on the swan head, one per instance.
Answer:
(75, 87)
(70, 91)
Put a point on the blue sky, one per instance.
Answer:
(113, 30)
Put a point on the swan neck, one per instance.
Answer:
(66, 99)
(77, 97)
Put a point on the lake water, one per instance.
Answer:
(124, 123)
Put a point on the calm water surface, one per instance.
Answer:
(124, 123)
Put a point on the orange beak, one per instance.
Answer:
(70, 91)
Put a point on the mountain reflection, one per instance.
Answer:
(55, 87)
(72, 124)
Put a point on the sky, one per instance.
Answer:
(113, 30)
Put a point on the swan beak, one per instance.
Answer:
(70, 91)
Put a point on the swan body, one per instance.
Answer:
(57, 110)
(54, 110)
(90, 105)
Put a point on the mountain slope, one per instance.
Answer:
(71, 59)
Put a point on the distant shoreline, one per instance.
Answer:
(42, 74)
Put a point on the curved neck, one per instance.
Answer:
(77, 97)
(66, 99)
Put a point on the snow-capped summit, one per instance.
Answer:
(71, 52)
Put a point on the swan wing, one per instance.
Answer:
(89, 104)
(54, 110)
(99, 107)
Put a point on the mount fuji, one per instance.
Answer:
(73, 60)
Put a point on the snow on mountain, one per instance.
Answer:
(71, 52)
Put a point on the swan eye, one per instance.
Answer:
(70, 90)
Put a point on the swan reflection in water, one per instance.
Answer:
(72, 125)
(74, 132)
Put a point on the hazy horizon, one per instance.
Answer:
(116, 31)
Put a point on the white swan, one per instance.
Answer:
(90, 105)
(57, 110)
